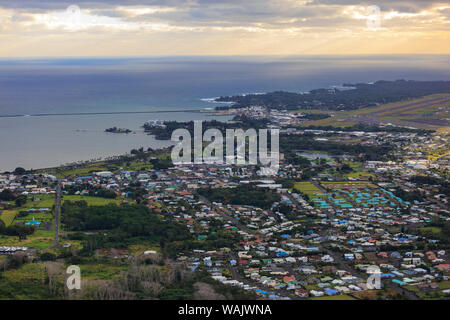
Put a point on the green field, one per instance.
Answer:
(91, 168)
(434, 230)
(100, 271)
(40, 239)
(8, 216)
(92, 201)
(360, 175)
(37, 201)
(24, 283)
(338, 297)
(307, 188)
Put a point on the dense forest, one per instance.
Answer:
(357, 96)
(240, 122)
(442, 185)
(124, 223)
(241, 195)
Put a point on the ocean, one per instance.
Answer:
(55, 111)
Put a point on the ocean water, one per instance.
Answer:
(31, 87)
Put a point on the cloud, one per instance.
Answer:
(214, 26)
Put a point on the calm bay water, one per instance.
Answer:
(64, 86)
(39, 142)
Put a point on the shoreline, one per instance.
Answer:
(103, 113)
(209, 111)
(83, 163)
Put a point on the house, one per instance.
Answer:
(301, 293)
(331, 292)
(315, 293)
(427, 286)
(243, 262)
(289, 279)
(443, 267)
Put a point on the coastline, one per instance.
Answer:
(48, 142)
(210, 111)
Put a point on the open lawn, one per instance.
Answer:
(40, 239)
(8, 216)
(434, 230)
(360, 175)
(40, 201)
(444, 284)
(353, 164)
(338, 297)
(92, 201)
(307, 187)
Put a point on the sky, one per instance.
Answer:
(89, 28)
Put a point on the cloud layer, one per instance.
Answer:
(213, 27)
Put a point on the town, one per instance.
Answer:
(341, 204)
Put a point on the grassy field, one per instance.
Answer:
(307, 188)
(434, 230)
(41, 201)
(92, 201)
(8, 216)
(99, 271)
(338, 297)
(38, 201)
(444, 284)
(360, 175)
(91, 168)
(25, 283)
(40, 239)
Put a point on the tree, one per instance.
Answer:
(20, 171)
(20, 201)
(7, 195)
(20, 231)
(47, 256)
